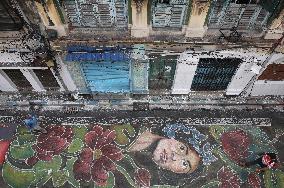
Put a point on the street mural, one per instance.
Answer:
(131, 155)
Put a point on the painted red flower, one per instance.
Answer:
(142, 178)
(254, 180)
(228, 179)
(236, 144)
(98, 158)
(4, 146)
(57, 139)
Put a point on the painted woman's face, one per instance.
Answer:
(175, 156)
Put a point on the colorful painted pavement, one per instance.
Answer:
(131, 155)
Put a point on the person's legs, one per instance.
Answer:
(255, 162)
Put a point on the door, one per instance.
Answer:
(107, 76)
(162, 71)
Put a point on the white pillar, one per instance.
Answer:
(33, 79)
(139, 70)
(186, 67)
(197, 18)
(5, 82)
(245, 73)
(65, 75)
(139, 27)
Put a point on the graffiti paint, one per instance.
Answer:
(131, 155)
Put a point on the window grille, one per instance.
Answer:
(214, 74)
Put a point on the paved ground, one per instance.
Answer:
(221, 139)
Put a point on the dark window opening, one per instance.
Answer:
(164, 1)
(19, 79)
(9, 20)
(214, 74)
(47, 79)
(246, 1)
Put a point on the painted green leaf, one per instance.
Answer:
(211, 184)
(122, 133)
(80, 131)
(24, 136)
(216, 131)
(259, 148)
(273, 179)
(69, 168)
(75, 146)
(279, 178)
(267, 177)
(53, 165)
(59, 177)
(259, 136)
(17, 178)
(41, 177)
(126, 175)
(163, 186)
(21, 152)
(110, 181)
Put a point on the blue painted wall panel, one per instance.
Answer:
(107, 76)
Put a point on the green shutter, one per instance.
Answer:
(162, 71)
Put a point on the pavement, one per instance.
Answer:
(222, 138)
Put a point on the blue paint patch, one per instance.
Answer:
(107, 76)
(104, 56)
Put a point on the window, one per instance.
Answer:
(9, 21)
(18, 79)
(164, 1)
(214, 74)
(247, 1)
(47, 79)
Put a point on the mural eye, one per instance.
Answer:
(185, 164)
(182, 147)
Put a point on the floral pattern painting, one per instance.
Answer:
(131, 155)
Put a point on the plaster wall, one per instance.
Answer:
(188, 61)
(263, 87)
(269, 87)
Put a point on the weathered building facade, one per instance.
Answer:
(143, 47)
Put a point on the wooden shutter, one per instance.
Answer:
(97, 13)
(243, 16)
(162, 71)
(107, 76)
(169, 15)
